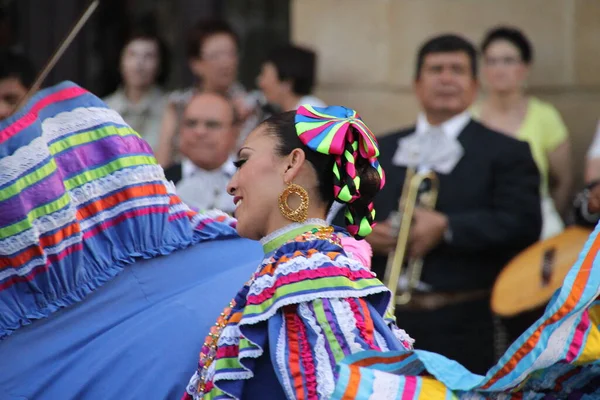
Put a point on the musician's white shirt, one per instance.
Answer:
(433, 147)
(451, 128)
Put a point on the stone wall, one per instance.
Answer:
(367, 53)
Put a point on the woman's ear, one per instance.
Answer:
(294, 162)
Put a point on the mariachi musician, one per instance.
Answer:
(487, 210)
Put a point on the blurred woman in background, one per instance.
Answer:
(140, 100)
(507, 57)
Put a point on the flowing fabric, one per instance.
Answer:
(108, 281)
(558, 357)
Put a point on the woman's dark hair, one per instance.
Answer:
(203, 30)
(145, 28)
(282, 126)
(18, 66)
(512, 35)
(296, 64)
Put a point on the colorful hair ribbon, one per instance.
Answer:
(339, 131)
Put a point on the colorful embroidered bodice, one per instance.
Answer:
(307, 300)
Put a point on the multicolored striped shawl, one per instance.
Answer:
(556, 358)
(81, 197)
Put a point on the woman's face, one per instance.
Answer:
(503, 68)
(217, 65)
(140, 63)
(256, 185)
(269, 83)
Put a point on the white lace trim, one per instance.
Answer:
(381, 343)
(39, 226)
(197, 218)
(171, 189)
(251, 353)
(291, 227)
(281, 362)
(79, 119)
(23, 159)
(301, 263)
(232, 376)
(178, 208)
(25, 269)
(117, 180)
(345, 317)
(230, 336)
(212, 214)
(192, 385)
(402, 336)
(325, 378)
(28, 267)
(89, 191)
(297, 299)
(229, 341)
(254, 352)
(385, 386)
(210, 372)
(85, 193)
(121, 208)
(352, 264)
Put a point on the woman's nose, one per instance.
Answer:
(231, 186)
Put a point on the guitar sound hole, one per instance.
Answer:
(548, 265)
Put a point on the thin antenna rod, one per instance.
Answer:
(59, 52)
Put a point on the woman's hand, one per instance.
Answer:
(594, 199)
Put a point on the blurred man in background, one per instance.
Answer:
(208, 135)
(487, 209)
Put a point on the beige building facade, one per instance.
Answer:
(367, 52)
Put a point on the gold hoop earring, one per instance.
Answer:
(299, 214)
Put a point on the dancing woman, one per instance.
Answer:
(308, 305)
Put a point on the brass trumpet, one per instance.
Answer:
(420, 189)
